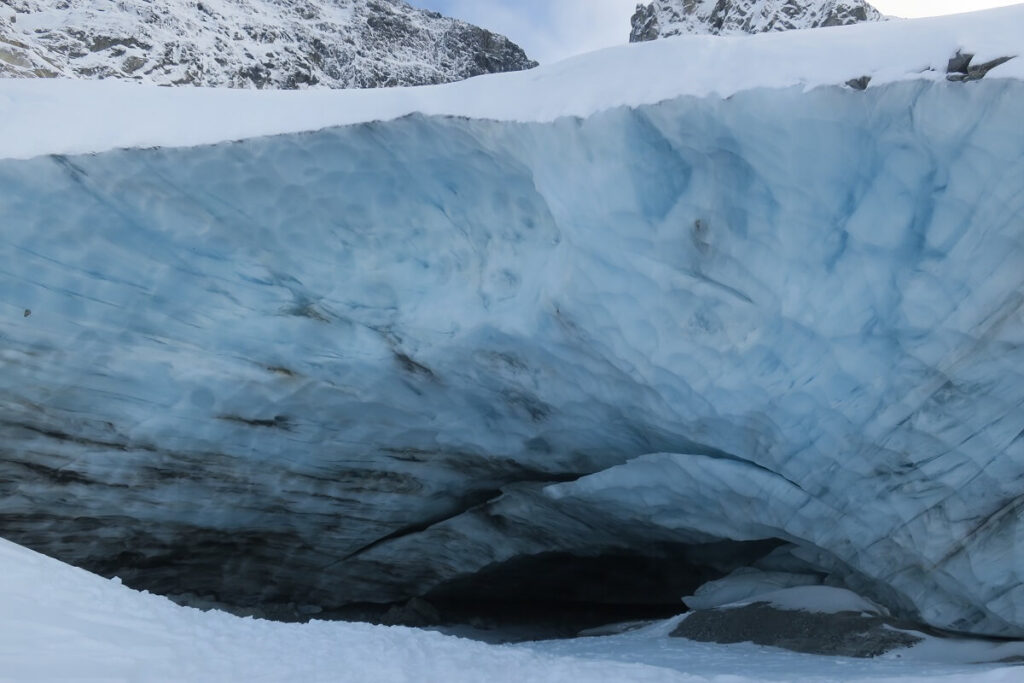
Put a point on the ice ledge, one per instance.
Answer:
(40, 117)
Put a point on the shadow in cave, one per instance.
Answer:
(560, 594)
(556, 594)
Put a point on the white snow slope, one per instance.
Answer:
(65, 117)
(61, 623)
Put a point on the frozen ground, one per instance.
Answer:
(61, 623)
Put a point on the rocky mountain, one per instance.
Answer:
(248, 43)
(665, 18)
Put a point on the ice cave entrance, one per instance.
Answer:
(559, 594)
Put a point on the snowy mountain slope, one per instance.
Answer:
(363, 362)
(248, 43)
(665, 18)
(33, 113)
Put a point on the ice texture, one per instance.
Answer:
(357, 363)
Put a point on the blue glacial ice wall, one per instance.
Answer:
(354, 364)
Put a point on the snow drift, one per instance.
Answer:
(364, 363)
(60, 623)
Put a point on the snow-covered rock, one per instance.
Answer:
(813, 619)
(665, 18)
(744, 583)
(366, 362)
(248, 43)
(818, 599)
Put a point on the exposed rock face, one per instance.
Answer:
(844, 634)
(248, 43)
(783, 329)
(961, 69)
(665, 18)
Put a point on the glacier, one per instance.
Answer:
(367, 362)
(45, 116)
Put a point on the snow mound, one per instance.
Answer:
(62, 623)
(746, 582)
(63, 117)
(817, 599)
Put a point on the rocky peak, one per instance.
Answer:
(248, 43)
(664, 18)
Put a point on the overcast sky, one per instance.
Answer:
(550, 30)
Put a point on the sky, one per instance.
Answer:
(550, 30)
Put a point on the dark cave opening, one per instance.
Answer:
(555, 594)
(561, 594)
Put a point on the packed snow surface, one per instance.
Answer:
(62, 117)
(61, 623)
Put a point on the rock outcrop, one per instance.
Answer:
(845, 634)
(665, 18)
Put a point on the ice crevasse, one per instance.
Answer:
(358, 363)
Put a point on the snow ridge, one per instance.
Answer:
(111, 114)
(248, 43)
(665, 18)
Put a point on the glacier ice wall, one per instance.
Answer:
(356, 364)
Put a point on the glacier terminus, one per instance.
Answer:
(770, 326)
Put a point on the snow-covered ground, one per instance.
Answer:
(41, 116)
(61, 623)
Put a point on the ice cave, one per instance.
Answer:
(427, 367)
